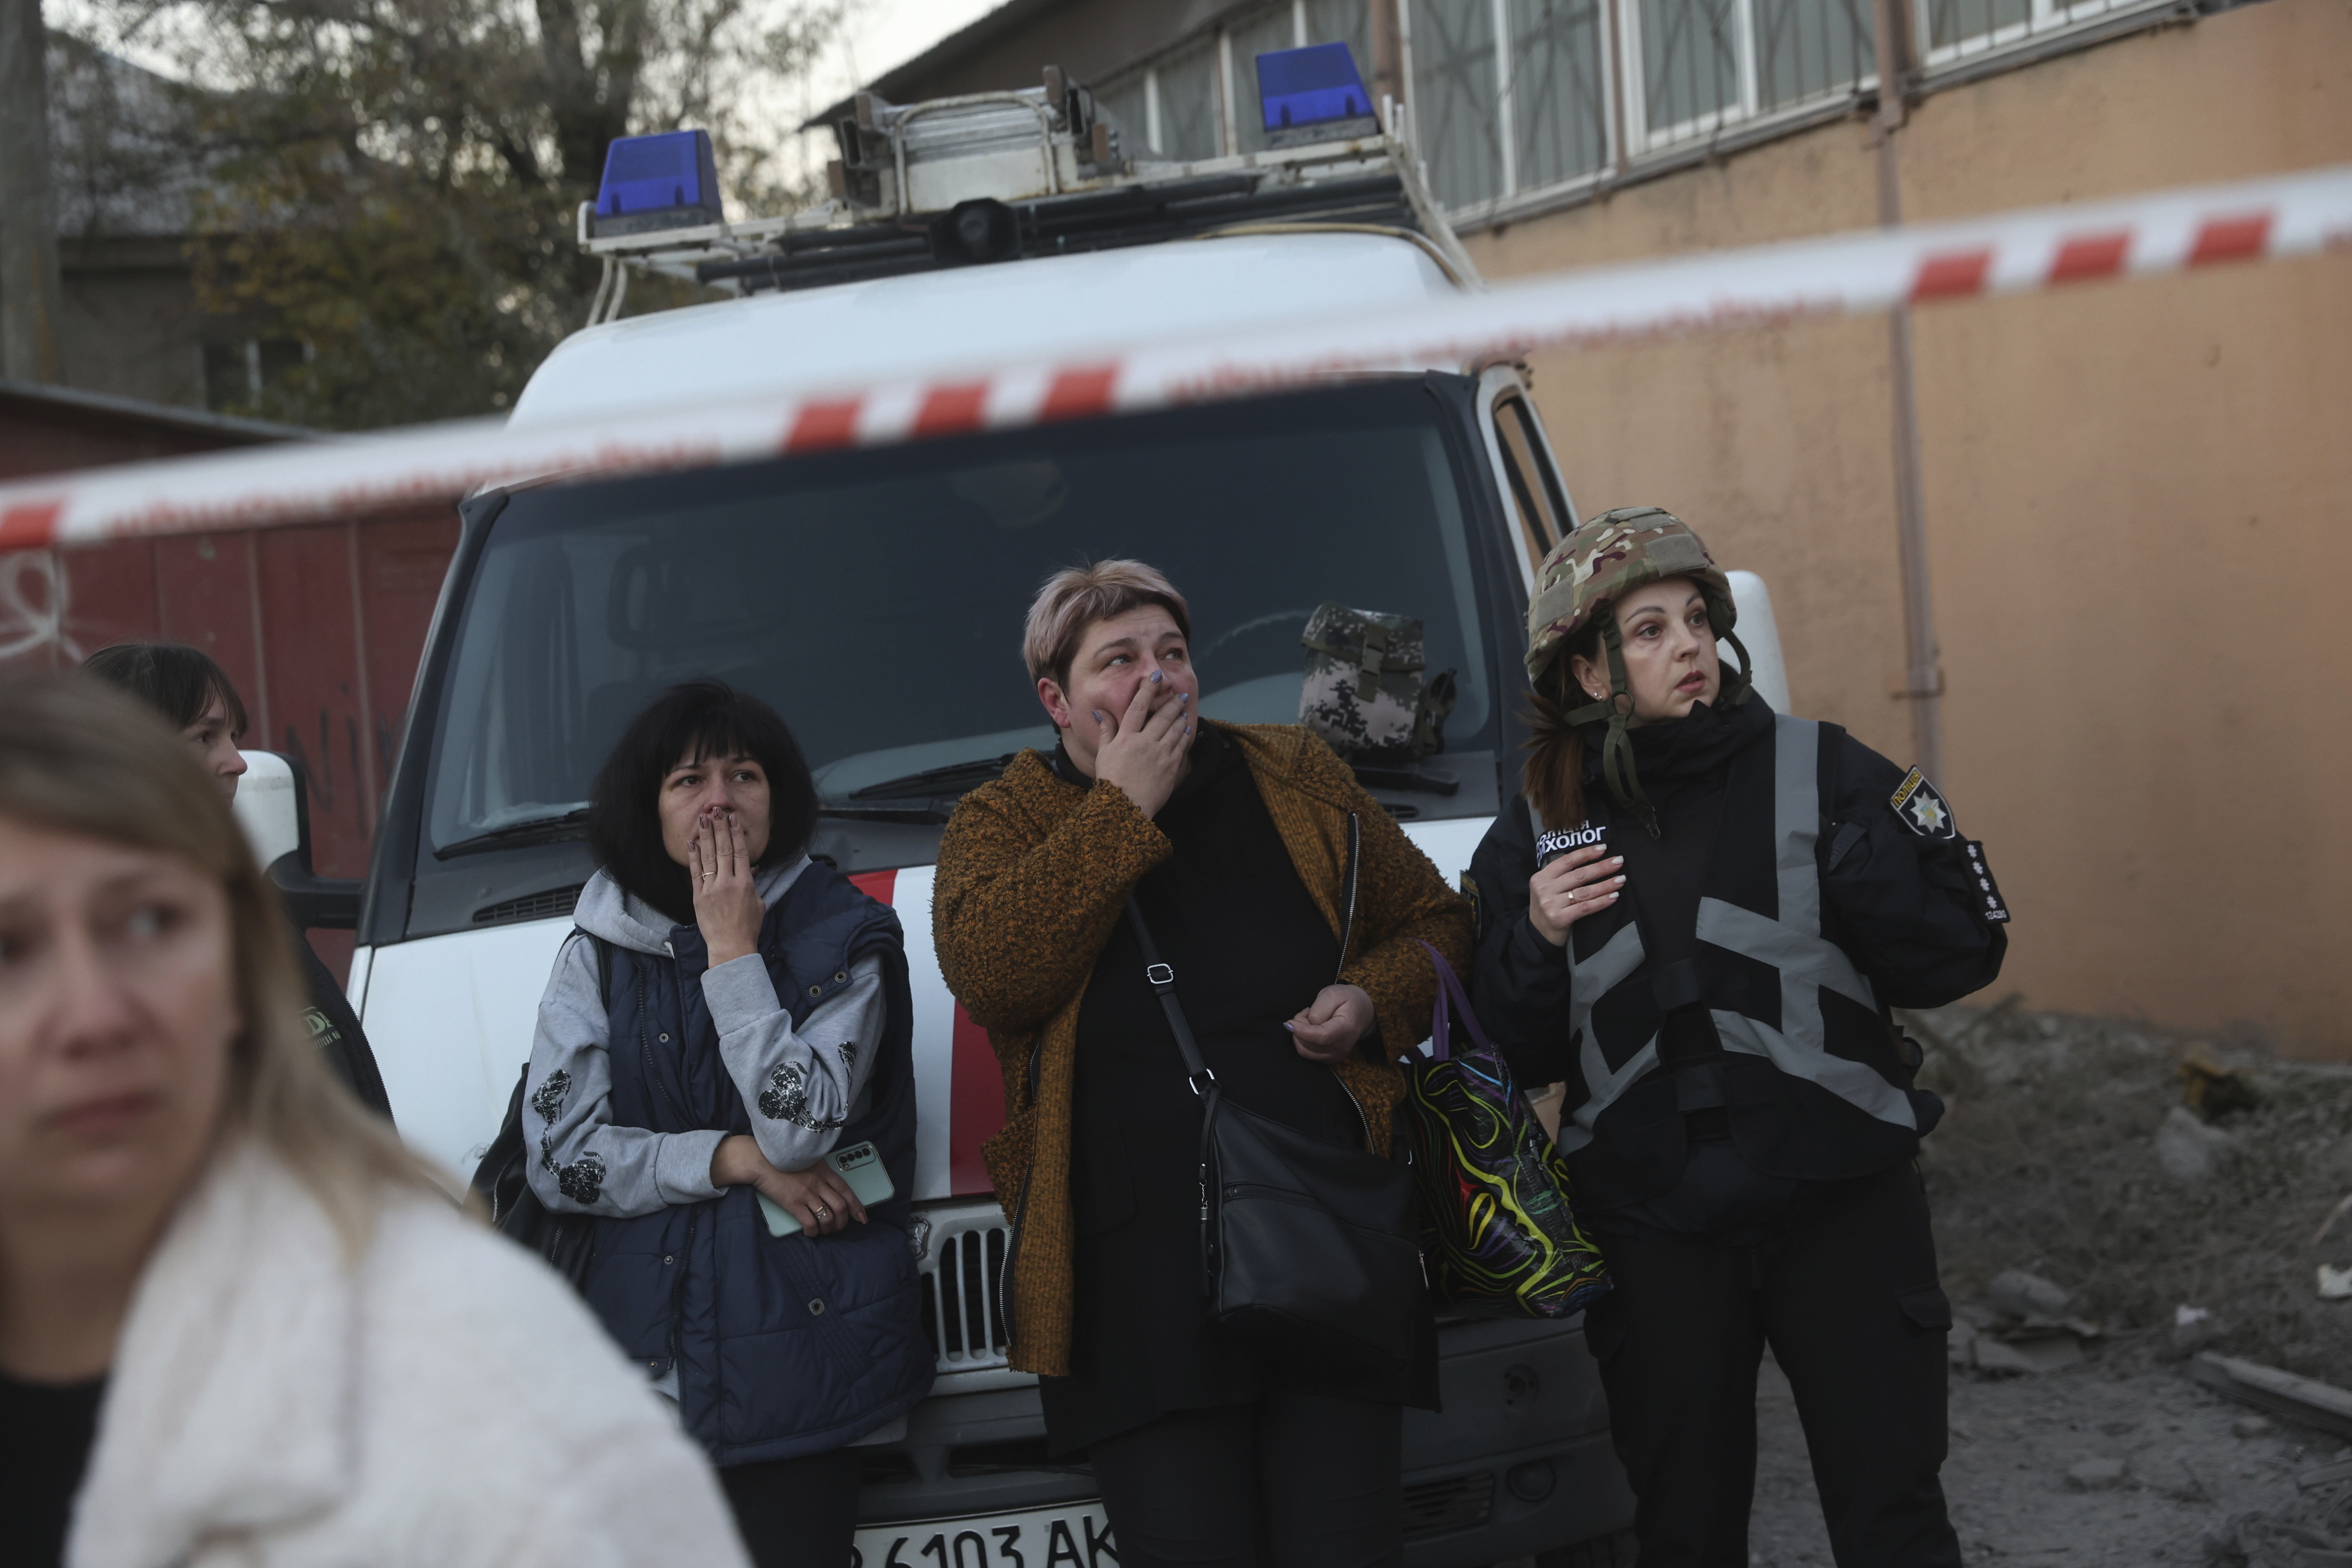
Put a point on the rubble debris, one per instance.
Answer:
(2272, 1542)
(2252, 1427)
(2334, 1214)
(2335, 1284)
(2325, 1476)
(1981, 1350)
(2186, 1147)
(2193, 1329)
(2213, 1092)
(2095, 1475)
(2268, 1389)
(2023, 1295)
(2024, 1324)
(2050, 1168)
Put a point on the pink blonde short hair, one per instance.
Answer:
(1076, 597)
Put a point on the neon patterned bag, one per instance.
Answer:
(1498, 1225)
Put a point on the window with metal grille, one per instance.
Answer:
(1559, 92)
(1456, 95)
(1699, 67)
(1954, 31)
(1127, 100)
(1190, 112)
(1509, 96)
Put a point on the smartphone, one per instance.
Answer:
(860, 1165)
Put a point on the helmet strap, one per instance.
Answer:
(1738, 689)
(1617, 747)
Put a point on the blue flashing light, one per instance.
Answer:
(1312, 86)
(665, 181)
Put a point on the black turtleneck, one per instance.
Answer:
(1250, 948)
(1684, 767)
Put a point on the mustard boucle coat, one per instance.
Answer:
(1033, 874)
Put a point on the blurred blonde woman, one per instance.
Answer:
(238, 1323)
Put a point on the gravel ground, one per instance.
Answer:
(2053, 1159)
(2015, 1440)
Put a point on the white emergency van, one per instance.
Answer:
(874, 596)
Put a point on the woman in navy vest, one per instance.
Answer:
(728, 1013)
(1699, 914)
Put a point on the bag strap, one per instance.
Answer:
(1450, 989)
(1161, 978)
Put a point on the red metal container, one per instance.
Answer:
(320, 627)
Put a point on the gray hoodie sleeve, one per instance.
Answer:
(801, 1084)
(583, 1163)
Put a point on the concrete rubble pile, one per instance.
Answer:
(2024, 1324)
(2104, 1189)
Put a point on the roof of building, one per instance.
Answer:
(221, 429)
(124, 155)
(931, 323)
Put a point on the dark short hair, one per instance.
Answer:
(176, 680)
(700, 718)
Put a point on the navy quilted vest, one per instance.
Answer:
(787, 1345)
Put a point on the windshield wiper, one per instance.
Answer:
(1413, 779)
(570, 823)
(950, 783)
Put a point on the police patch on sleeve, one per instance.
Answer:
(1990, 907)
(1918, 807)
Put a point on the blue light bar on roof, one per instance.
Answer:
(653, 183)
(1313, 86)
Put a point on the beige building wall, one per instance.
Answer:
(2138, 507)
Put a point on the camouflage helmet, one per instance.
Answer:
(1604, 559)
(1597, 564)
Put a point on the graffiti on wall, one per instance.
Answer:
(35, 597)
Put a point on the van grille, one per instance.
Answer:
(537, 906)
(962, 1293)
(1433, 1507)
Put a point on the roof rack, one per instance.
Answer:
(1003, 176)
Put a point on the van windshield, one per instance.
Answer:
(877, 598)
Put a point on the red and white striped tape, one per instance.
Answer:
(1844, 274)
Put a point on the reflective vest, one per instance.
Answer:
(1768, 1023)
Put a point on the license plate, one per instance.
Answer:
(1075, 1535)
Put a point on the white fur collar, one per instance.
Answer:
(243, 1329)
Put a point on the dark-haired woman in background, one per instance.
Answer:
(193, 695)
(728, 1013)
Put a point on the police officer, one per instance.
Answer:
(1698, 914)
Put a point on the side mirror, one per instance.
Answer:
(273, 807)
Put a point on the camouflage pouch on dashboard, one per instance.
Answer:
(1365, 692)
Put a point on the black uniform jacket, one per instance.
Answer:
(335, 1030)
(1902, 905)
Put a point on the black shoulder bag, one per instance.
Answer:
(566, 1242)
(1310, 1246)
